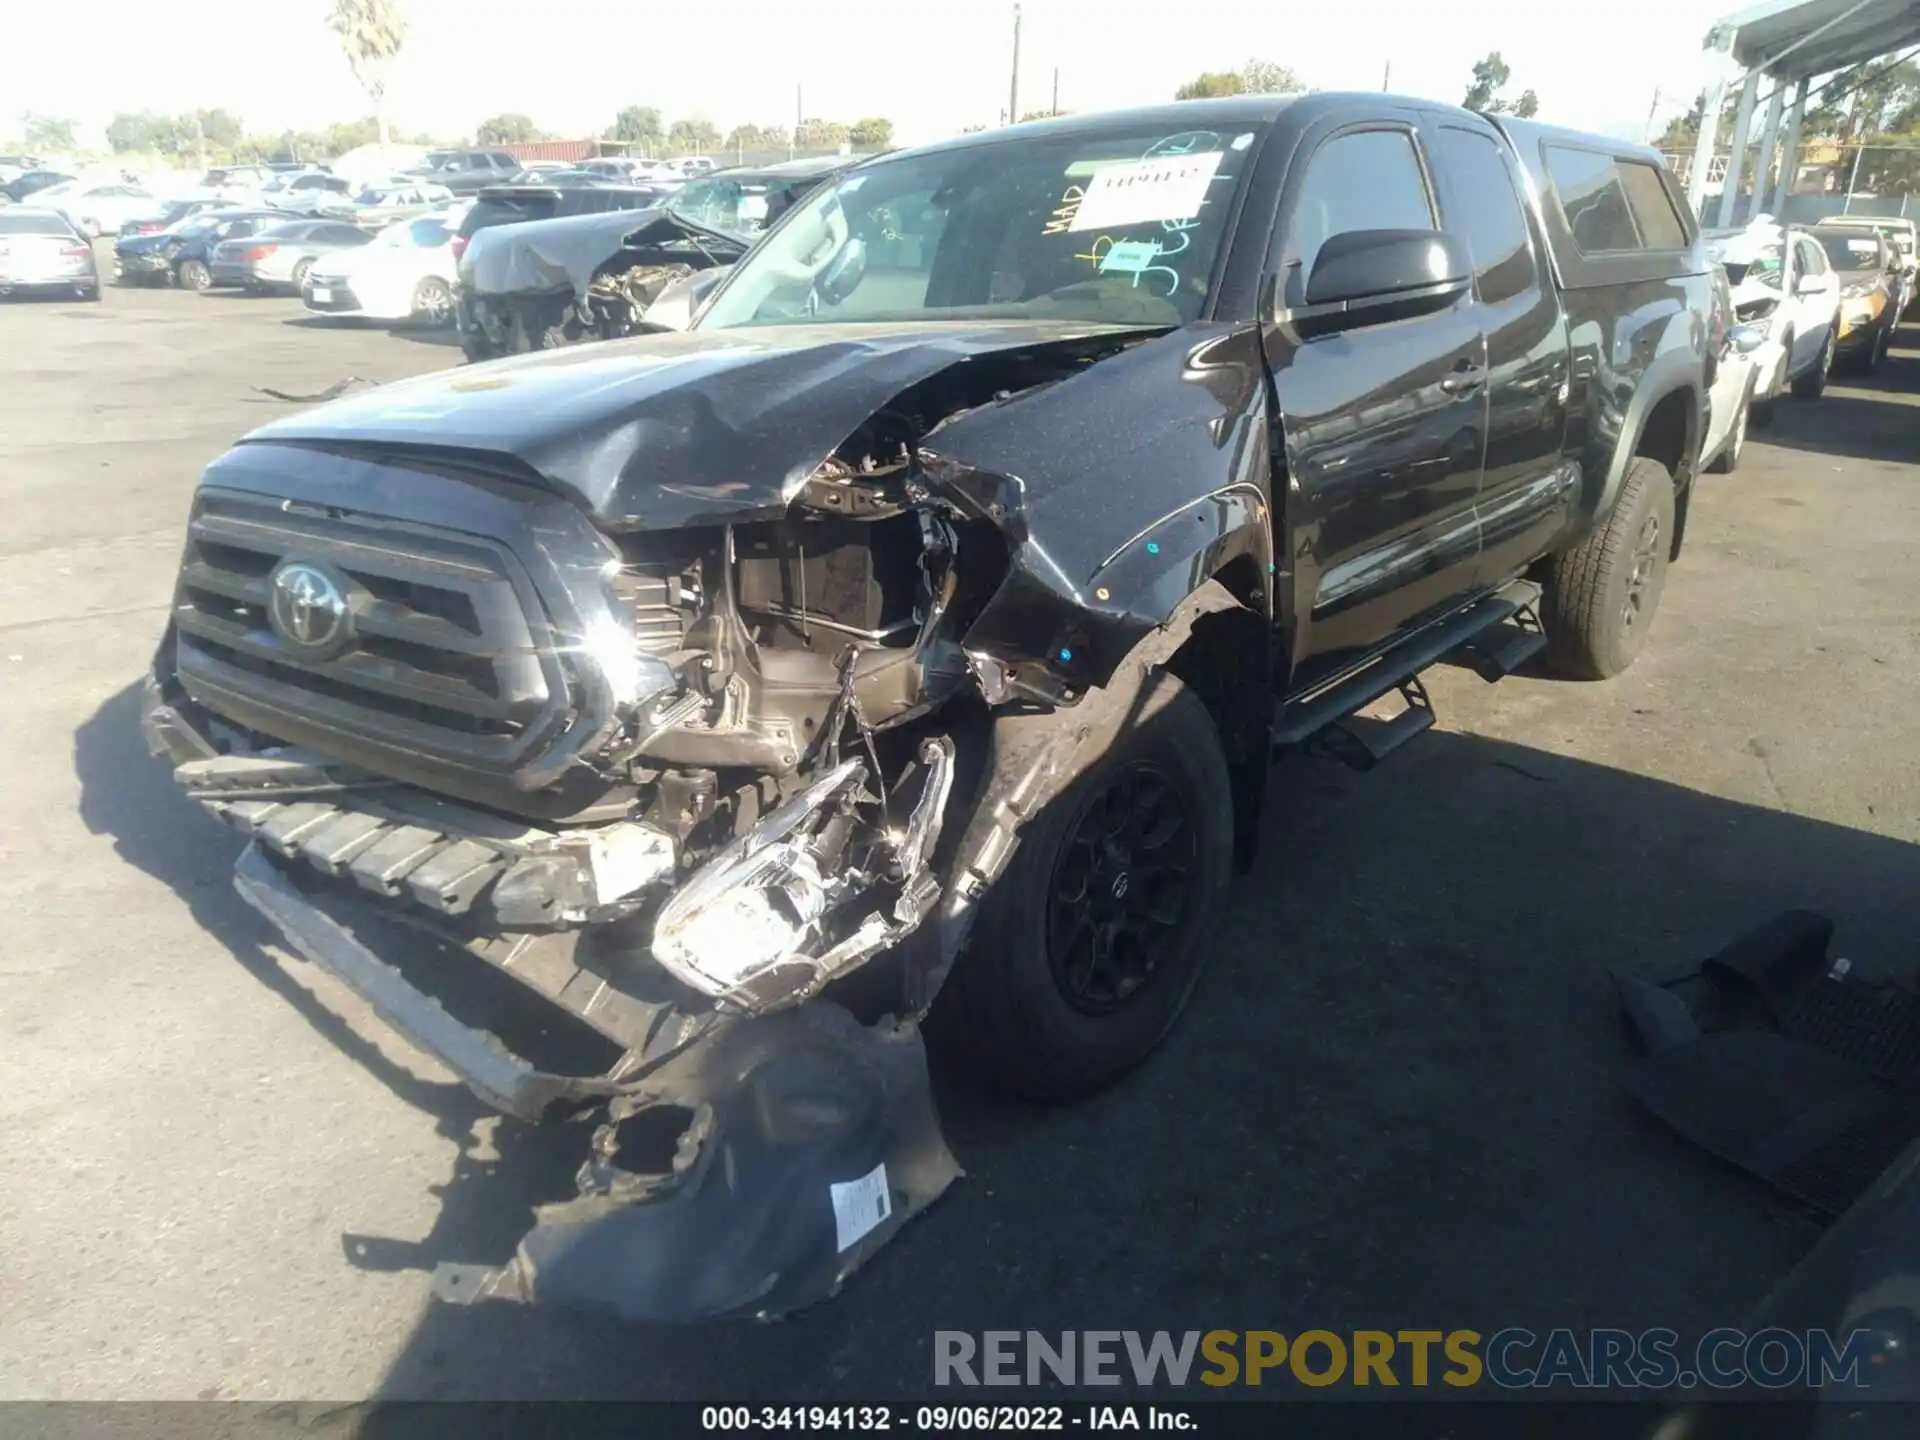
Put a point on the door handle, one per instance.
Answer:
(1463, 378)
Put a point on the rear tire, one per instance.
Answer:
(1601, 595)
(1087, 949)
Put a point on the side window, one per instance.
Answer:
(504, 161)
(1587, 185)
(1809, 258)
(1488, 214)
(1364, 180)
(337, 234)
(1652, 206)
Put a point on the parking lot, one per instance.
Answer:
(1396, 1101)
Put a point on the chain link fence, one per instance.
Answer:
(1831, 179)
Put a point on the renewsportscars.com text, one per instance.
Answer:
(1509, 1359)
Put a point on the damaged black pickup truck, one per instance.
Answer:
(908, 640)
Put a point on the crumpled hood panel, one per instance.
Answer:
(671, 430)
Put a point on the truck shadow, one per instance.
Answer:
(1396, 1100)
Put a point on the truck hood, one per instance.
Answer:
(664, 431)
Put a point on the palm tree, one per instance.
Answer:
(370, 32)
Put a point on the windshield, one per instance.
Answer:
(1121, 226)
(1852, 252)
(1764, 268)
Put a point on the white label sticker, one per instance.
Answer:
(1170, 187)
(1130, 256)
(860, 1205)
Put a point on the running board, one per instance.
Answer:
(1496, 634)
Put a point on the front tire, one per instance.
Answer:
(1601, 595)
(1089, 946)
(192, 275)
(300, 275)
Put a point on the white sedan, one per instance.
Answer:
(100, 207)
(405, 274)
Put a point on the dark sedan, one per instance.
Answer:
(21, 186)
(1871, 272)
(278, 257)
(41, 252)
(182, 254)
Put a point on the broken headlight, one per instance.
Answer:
(756, 905)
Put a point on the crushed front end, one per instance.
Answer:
(669, 784)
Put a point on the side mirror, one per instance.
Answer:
(1366, 275)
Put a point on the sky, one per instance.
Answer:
(933, 66)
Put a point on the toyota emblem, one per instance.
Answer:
(309, 607)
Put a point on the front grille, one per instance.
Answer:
(446, 658)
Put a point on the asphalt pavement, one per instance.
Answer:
(1396, 1101)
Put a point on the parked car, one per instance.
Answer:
(694, 165)
(171, 213)
(235, 182)
(467, 172)
(41, 252)
(1738, 364)
(1901, 232)
(31, 182)
(375, 207)
(304, 192)
(278, 257)
(518, 204)
(405, 274)
(12, 167)
(1872, 278)
(744, 200)
(910, 638)
(1787, 303)
(542, 284)
(100, 207)
(183, 254)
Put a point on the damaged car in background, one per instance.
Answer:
(904, 645)
(548, 283)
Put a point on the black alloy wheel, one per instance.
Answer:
(1122, 888)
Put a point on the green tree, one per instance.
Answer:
(1684, 130)
(873, 133)
(1488, 76)
(221, 127)
(371, 32)
(819, 135)
(1211, 84)
(754, 137)
(1264, 77)
(511, 128)
(130, 132)
(48, 132)
(638, 125)
(695, 135)
(1527, 106)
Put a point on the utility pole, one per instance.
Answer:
(1013, 88)
(1056, 89)
(798, 114)
(1386, 77)
(1653, 112)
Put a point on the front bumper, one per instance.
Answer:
(235, 273)
(142, 264)
(333, 297)
(744, 1164)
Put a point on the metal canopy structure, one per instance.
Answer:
(1789, 42)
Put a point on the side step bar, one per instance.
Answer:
(1496, 635)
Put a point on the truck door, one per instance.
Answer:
(1383, 422)
(1526, 494)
